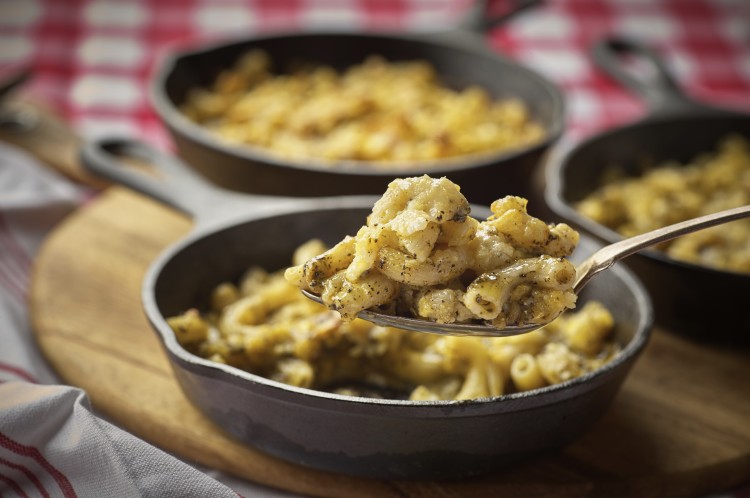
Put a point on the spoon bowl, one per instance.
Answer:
(599, 261)
(422, 325)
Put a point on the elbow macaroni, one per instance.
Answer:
(525, 372)
(420, 254)
(385, 112)
(507, 269)
(271, 330)
(672, 192)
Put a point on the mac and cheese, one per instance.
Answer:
(421, 254)
(673, 192)
(376, 111)
(264, 325)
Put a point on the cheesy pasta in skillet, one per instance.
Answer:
(377, 111)
(671, 192)
(420, 254)
(264, 325)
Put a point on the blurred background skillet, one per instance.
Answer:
(702, 302)
(386, 438)
(460, 58)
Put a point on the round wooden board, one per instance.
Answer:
(679, 427)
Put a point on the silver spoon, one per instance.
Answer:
(599, 261)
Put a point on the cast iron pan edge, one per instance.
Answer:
(183, 125)
(460, 56)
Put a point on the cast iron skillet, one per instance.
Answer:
(460, 57)
(695, 300)
(391, 438)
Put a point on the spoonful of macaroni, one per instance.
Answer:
(422, 263)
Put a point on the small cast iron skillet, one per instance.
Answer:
(384, 438)
(460, 57)
(695, 300)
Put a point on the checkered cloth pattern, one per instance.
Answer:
(92, 60)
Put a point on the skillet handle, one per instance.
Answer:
(659, 89)
(482, 19)
(174, 184)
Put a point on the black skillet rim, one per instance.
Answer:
(628, 354)
(172, 116)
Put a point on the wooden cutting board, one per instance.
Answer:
(679, 427)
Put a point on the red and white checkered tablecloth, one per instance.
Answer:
(92, 59)
(705, 44)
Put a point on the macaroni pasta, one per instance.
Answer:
(264, 325)
(376, 111)
(673, 192)
(420, 254)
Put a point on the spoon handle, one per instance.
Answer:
(609, 255)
